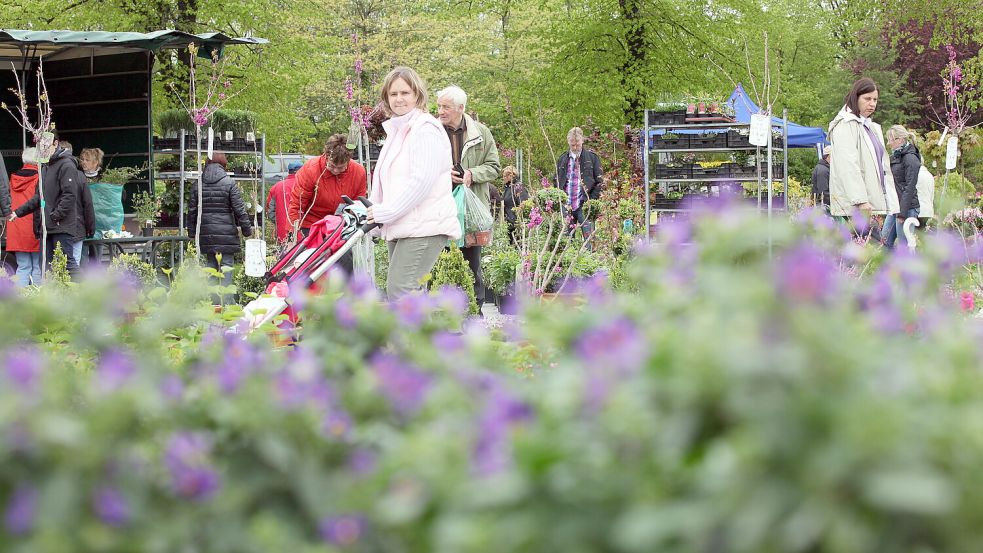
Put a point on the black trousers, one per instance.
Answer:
(473, 255)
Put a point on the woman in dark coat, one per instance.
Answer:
(906, 162)
(513, 194)
(223, 214)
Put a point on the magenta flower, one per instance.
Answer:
(358, 67)
(535, 218)
(349, 90)
(967, 302)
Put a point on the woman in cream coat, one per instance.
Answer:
(860, 163)
(411, 184)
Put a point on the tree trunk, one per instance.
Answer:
(633, 66)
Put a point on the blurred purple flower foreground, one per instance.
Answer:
(187, 459)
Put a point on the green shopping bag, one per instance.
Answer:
(461, 209)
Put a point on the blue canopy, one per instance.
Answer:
(798, 136)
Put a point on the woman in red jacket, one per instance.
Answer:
(20, 232)
(321, 183)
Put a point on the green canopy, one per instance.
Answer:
(13, 40)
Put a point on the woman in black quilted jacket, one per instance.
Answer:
(223, 214)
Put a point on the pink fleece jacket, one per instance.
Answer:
(411, 184)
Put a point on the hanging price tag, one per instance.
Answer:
(951, 152)
(760, 129)
(211, 142)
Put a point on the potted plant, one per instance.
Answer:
(500, 269)
(453, 270)
(146, 208)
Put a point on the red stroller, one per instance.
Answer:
(304, 264)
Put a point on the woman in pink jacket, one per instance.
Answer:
(411, 184)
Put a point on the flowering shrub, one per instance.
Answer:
(967, 221)
(735, 402)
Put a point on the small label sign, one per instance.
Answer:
(951, 152)
(760, 130)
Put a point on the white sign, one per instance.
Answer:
(228, 135)
(211, 142)
(951, 152)
(255, 257)
(760, 130)
(250, 137)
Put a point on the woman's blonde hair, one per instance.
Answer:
(411, 78)
(898, 131)
(92, 154)
(508, 173)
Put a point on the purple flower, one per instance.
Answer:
(358, 67)
(804, 274)
(616, 343)
(404, 385)
(861, 222)
(112, 507)
(452, 299)
(447, 342)
(502, 411)
(343, 530)
(115, 369)
(22, 367)
(362, 287)
(535, 218)
(21, 510)
(337, 424)
(948, 249)
(594, 288)
(362, 461)
(239, 360)
(172, 387)
(187, 459)
(300, 383)
(349, 89)
(297, 297)
(7, 288)
(412, 309)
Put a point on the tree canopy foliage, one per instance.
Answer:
(535, 68)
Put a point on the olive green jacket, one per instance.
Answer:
(480, 155)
